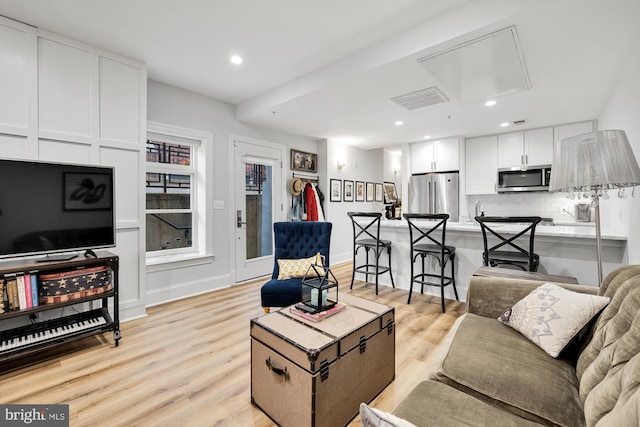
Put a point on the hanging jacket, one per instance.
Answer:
(312, 205)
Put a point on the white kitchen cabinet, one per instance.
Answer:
(435, 156)
(511, 149)
(527, 148)
(481, 171)
(539, 146)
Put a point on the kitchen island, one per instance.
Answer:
(564, 250)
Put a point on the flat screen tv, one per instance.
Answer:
(55, 209)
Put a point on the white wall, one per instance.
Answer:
(622, 112)
(361, 165)
(171, 105)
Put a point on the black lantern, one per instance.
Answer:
(319, 289)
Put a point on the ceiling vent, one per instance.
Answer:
(421, 98)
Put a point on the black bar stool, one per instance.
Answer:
(496, 256)
(366, 234)
(430, 227)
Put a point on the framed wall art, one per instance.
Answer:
(335, 190)
(303, 161)
(347, 191)
(359, 191)
(389, 193)
(378, 192)
(370, 192)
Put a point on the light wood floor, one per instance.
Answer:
(188, 362)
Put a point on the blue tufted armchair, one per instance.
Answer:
(294, 240)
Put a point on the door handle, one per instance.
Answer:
(239, 222)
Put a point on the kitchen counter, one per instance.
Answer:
(565, 250)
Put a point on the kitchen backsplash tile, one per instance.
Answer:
(546, 205)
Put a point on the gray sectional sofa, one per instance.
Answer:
(489, 374)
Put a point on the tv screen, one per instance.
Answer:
(51, 208)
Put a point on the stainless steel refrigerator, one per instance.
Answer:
(434, 193)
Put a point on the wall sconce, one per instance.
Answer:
(396, 170)
(341, 164)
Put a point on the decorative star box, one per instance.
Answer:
(319, 289)
(75, 284)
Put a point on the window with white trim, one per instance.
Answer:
(173, 181)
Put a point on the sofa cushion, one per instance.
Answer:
(551, 316)
(494, 363)
(431, 403)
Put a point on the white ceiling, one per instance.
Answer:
(328, 69)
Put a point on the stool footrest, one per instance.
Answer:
(432, 280)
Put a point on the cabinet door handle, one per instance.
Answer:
(526, 159)
(277, 370)
(521, 159)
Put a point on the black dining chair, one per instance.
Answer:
(512, 247)
(427, 233)
(366, 234)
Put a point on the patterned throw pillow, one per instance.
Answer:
(290, 268)
(550, 316)
(372, 417)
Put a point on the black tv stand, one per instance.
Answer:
(57, 257)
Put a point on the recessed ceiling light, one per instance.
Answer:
(399, 123)
(235, 59)
(427, 136)
(490, 103)
(504, 125)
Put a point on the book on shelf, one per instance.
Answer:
(316, 317)
(22, 296)
(27, 291)
(34, 289)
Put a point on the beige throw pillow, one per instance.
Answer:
(550, 316)
(291, 268)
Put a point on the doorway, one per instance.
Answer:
(258, 184)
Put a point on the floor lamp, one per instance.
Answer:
(588, 165)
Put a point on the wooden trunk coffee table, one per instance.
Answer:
(317, 374)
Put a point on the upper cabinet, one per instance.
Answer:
(527, 148)
(481, 164)
(435, 156)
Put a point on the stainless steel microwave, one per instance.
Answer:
(527, 178)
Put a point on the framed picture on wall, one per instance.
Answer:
(359, 191)
(303, 161)
(335, 190)
(378, 192)
(370, 192)
(347, 191)
(389, 193)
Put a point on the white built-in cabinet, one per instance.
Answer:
(481, 162)
(526, 148)
(435, 156)
(65, 101)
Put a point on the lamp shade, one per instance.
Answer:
(600, 160)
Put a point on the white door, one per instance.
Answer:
(258, 187)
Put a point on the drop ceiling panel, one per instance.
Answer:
(483, 68)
